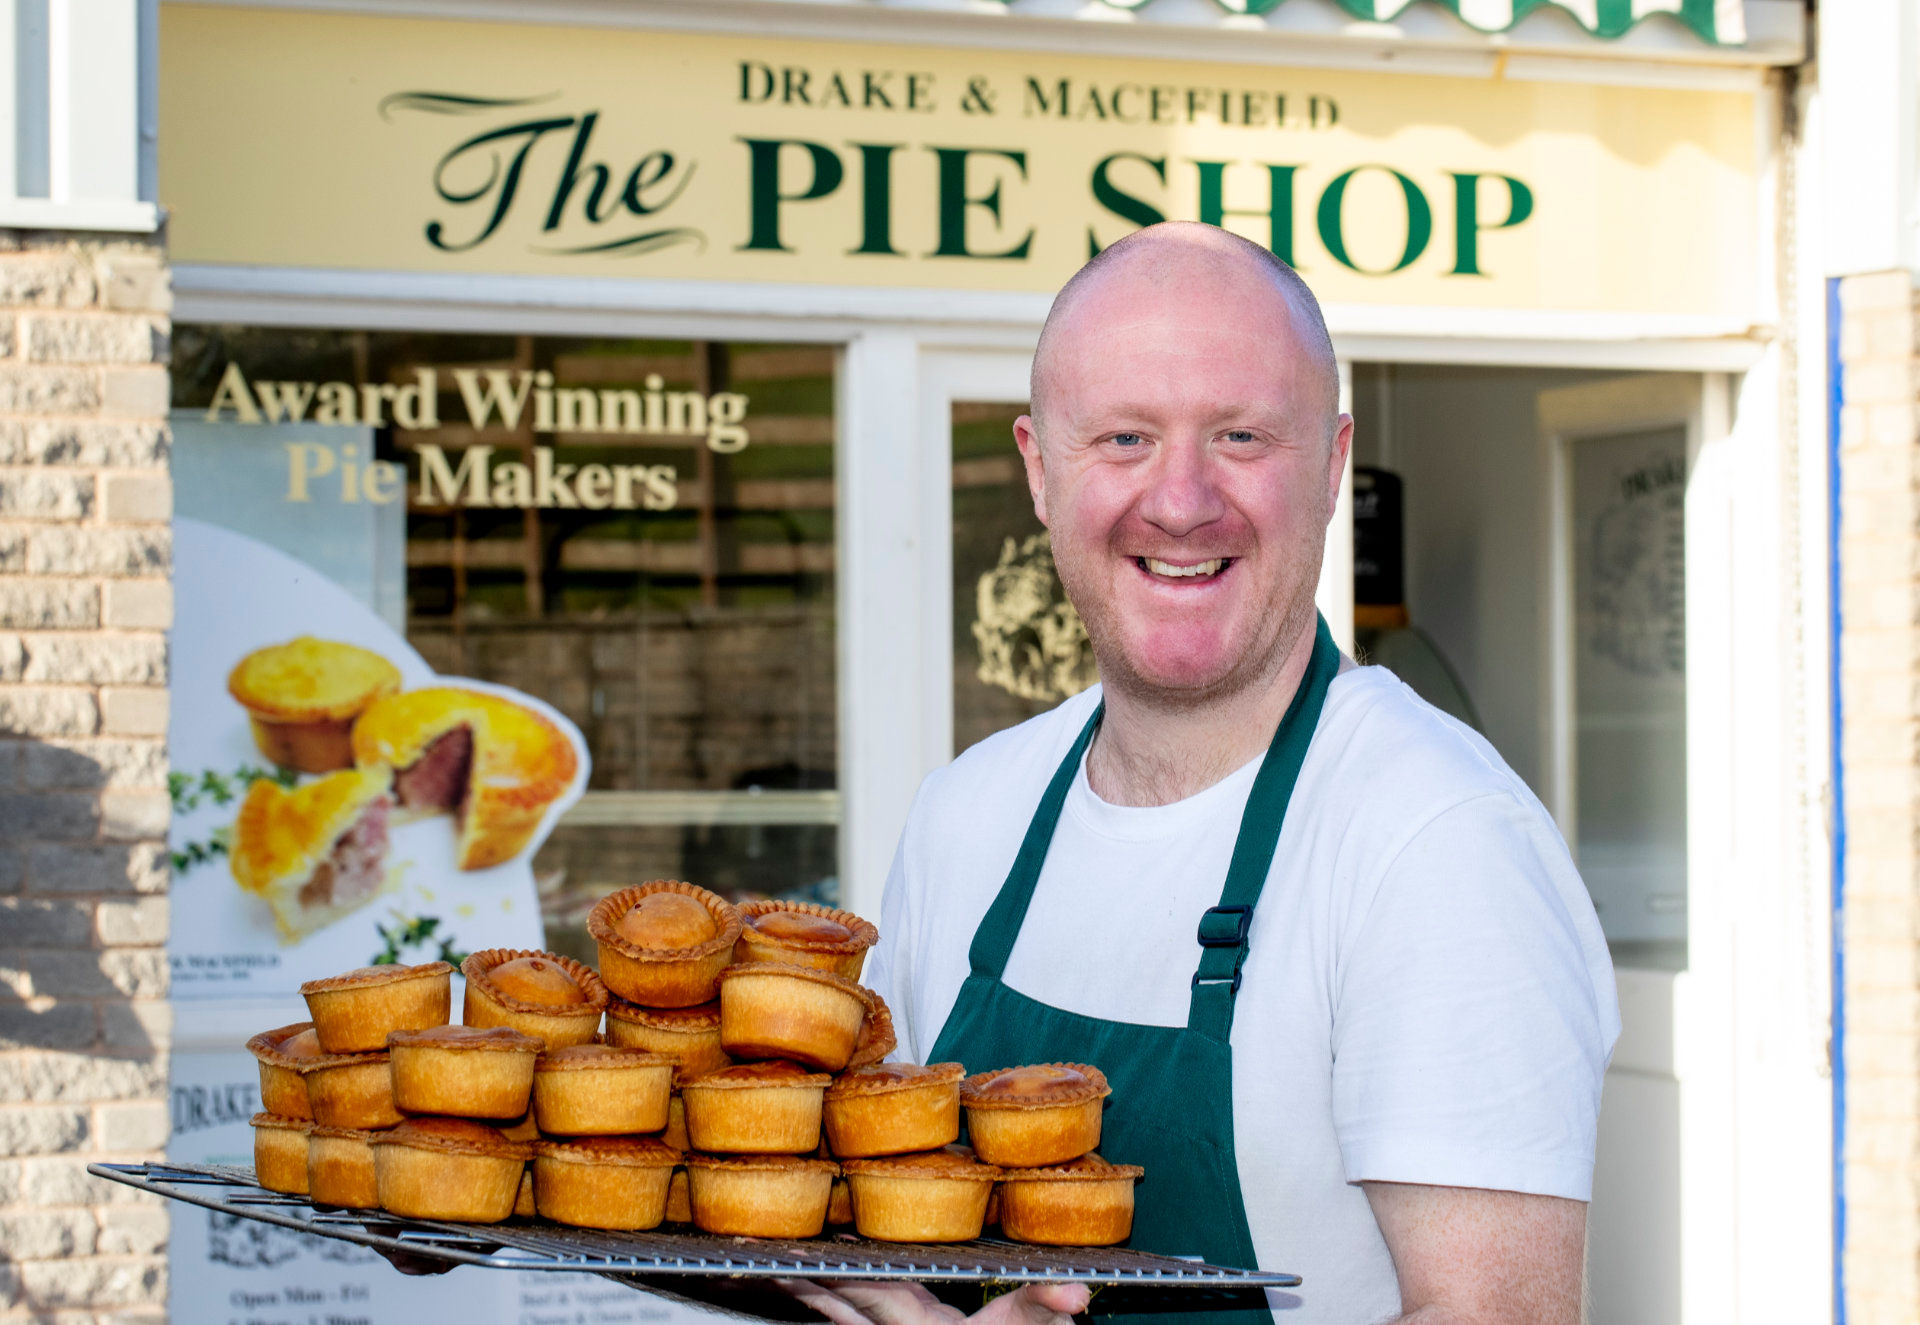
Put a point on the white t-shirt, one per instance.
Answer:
(1427, 997)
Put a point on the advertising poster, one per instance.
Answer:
(304, 849)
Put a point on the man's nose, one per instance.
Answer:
(1183, 493)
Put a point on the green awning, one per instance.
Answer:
(1718, 22)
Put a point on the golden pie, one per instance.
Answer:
(1086, 1202)
(355, 1012)
(351, 1090)
(601, 1090)
(840, 1203)
(755, 1108)
(938, 1196)
(772, 1010)
(893, 1109)
(448, 1168)
(617, 1182)
(340, 1167)
(679, 1201)
(876, 1036)
(316, 853)
(280, 1053)
(492, 764)
(663, 944)
(302, 698)
(463, 1071)
(803, 934)
(554, 998)
(689, 1036)
(280, 1153)
(523, 1203)
(675, 1134)
(760, 1196)
(1028, 1117)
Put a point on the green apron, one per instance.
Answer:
(1172, 1105)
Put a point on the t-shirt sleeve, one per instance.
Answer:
(1474, 1011)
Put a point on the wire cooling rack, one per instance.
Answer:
(526, 1245)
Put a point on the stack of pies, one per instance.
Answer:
(1040, 1123)
(747, 1097)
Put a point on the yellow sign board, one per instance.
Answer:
(396, 144)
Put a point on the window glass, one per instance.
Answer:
(1019, 648)
(639, 533)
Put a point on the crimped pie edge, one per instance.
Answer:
(939, 1074)
(453, 1145)
(761, 1163)
(265, 1045)
(876, 1039)
(488, 1039)
(592, 1150)
(614, 1057)
(865, 932)
(369, 976)
(581, 974)
(607, 911)
(1097, 1088)
(686, 1021)
(811, 1081)
(279, 1122)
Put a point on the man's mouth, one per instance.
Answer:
(1199, 570)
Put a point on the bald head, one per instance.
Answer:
(1177, 255)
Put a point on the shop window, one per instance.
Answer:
(1018, 646)
(637, 533)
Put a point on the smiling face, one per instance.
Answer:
(1186, 459)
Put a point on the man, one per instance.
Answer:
(1330, 951)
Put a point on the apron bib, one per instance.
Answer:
(1171, 1110)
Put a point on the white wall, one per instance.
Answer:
(1465, 442)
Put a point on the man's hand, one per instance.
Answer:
(1471, 1257)
(851, 1302)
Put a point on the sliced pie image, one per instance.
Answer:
(492, 764)
(315, 853)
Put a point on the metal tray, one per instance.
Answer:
(674, 1263)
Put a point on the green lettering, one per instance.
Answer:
(955, 202)
(763, 189)
(1419, 222)
(1466, 217)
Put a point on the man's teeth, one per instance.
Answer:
(1184, 572)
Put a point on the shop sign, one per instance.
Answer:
(346, 141)
(492, 397)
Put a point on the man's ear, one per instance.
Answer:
(1027, 434)
(1337, 460)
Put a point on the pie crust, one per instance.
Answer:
(893, 1109)
(843, 953)
(689, 1036)
(772, 1010)
(283, 1090)
(666, 977)
(840, 1203)
(518, 764)
(303, 696)
(489, 1003)
(679, 1203)
(876, 1036)
(352, 1090)
(340, 1168)
(601, 1090)
(354, 1013)
(939, 1196)
(605, 1182)
(523, 1202)
(675, 1134)
(463, 1071)
(1085, 1203)
(755, 1109)
(1029, 1117)
(280, 1153)
(760, 1196)
(315, 853)
(448, 1168)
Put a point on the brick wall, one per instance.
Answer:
(85, 601)
(1880, 701)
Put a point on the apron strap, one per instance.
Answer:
(993, 941)
(1225, 928)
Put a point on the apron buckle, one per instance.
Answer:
(1211, 934)
(1199, 979)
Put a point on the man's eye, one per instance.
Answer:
(1127, 439)
(1239, 435)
